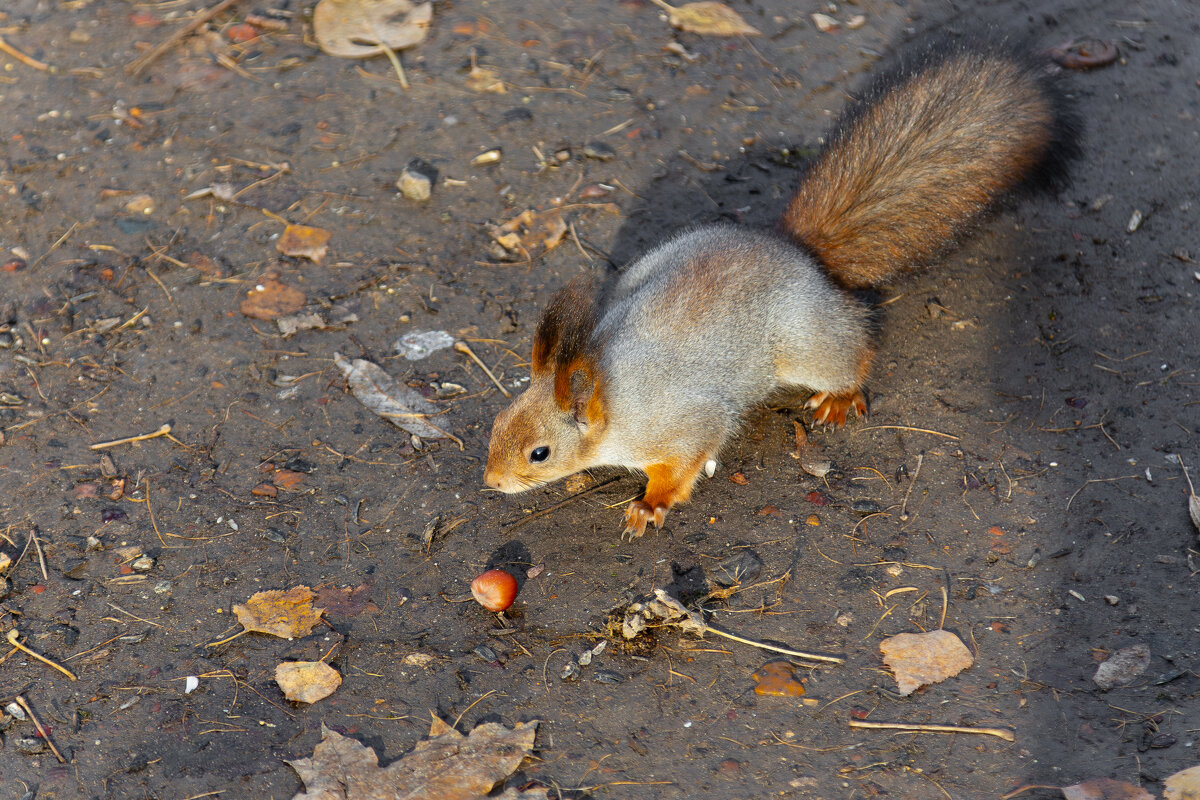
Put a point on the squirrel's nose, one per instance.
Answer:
(491, 478)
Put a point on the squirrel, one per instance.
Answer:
(657, 375)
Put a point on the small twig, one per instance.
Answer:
(41, 558)
(911, 484)
(464, 348)
(12, 639)
(508, 527)
(1096, 480)
(163, 431)
(28, 61)
(150, 510)
(458, 719)
(905, 428)
(917, 727)
(140, 63)
(775, 649)
(58, 243)
(44, 733)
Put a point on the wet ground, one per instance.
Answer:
(1031, 401)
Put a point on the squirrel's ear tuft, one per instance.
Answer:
(564, 330)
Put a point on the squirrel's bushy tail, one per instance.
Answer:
(929, 147)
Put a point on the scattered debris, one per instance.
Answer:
(417, 179)
(286, 614)
(417, 345)
(920, 659)
(777, 679)
(530, 232)
(920, 727)
(365, 28)
(447, 765)
(380, 393)
(1083, 54)
(304, 241)
(1122, 667)
(826, 23)
(1135, 221)
(271, 300)
(307, 681)
(662, 609)
(707, 18)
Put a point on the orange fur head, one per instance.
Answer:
(552, 430)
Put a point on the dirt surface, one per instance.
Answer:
(1036, 385)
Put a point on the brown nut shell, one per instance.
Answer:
(495, 589)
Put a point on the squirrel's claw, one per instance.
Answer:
(637, 514)
(832, 409)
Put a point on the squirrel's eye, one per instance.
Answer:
(539, 454)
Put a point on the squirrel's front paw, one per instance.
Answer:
(832, 409)
(638, 514)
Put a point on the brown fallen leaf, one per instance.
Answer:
(1105, 789)
(345, 602)
(707, 18)
(288, 479)
(380, 393)
(447, 765)
(358, 28)
(777, 679)
(271, 299)
(307, 681)
(287, 614)
(1183, 785)
(304, 241)
(919, 659)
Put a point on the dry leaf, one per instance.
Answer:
(1105, 789)
(346, 602)
(357, 28)
(447, 765)
(484, 80)
(307, 681)
(271, 300)
(1194, 510)
(919, 659)
(707, 19)
(303, 241)
(1122, 667)
(399, 405)
(288, 479)
(1184, 785)
(285, 614)
(778, 679)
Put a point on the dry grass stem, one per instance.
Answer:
(917, 727)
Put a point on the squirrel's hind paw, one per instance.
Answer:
(638, 514)
(832, 409)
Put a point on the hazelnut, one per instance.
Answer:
(495, 589)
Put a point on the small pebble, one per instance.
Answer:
(599, 151)
(607, 676)
(866, 507)
(416, 180)
(1111, 599)
(143, 564)
(1135, 221)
